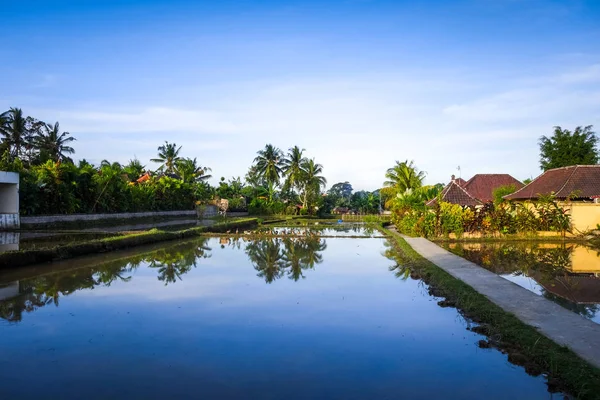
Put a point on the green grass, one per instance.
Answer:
(14, 259)
(523, 343)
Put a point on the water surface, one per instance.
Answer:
(566, 273)
(297, 318)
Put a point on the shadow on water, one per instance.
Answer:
(566, 273)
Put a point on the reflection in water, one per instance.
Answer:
(566, 273)
(273, 257)
(174, 262)
(9, 241)
(170, 262)
(345, 332)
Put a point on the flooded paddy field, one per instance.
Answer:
(280, 317)
(566, 273)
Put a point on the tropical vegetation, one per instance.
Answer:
(565, 148)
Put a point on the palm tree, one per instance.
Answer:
(52, 144)
(168, 156)
(13, 128)
(311, 179)
(269, 165)
(404, 175)
(292, 166)
(190, 171)
(134, 169)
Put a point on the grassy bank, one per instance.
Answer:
(14, 259)
(524, 345)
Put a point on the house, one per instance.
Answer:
(577, 188)
(476, 191)
(9, 200)
(454, 193)
(577, 183)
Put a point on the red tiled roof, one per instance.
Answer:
(481, 186)
(581, 181)
(461, 182)
(455, 194)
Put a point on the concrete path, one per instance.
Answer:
(557, 323)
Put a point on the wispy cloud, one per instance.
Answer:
(355, 126)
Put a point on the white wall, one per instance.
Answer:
(9, 193)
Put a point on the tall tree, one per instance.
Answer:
(168, 156)
(190, 171)
(312, 181)
(404, 175)
(269, 165)
(14, 130)
(566, 148)
(52, 144)
(292, 167)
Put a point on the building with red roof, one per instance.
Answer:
(577, 182)
(476, 191)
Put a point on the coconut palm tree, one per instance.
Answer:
(312, 180)
(52, 144)
(292, 167)
(190, 171)
(168, 156)
(404, 175)
(13, 128)
(269, 165)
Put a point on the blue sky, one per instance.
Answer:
(358, 83)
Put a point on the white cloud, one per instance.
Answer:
(355, 126)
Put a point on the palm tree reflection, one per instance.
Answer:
(47, 289)
(274, 257)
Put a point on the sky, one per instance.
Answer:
(359, 84)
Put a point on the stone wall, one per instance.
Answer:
(45, 219)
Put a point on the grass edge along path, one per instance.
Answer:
(524, 344)
(19, 258)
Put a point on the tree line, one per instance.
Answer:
(277, 182)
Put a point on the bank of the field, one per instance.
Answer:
(524, 344)
(15, 259)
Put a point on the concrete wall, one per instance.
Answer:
(45, 219)
(9, 200)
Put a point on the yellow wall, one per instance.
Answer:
(584, 216)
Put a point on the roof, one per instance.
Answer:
(455, 194)
(582, 181)
(481, 186)
(460, 181)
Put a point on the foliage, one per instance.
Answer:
(168, 157)
(412, 218)
(401, 177)
(566, 148)
(502, 191)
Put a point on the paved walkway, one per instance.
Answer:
(557, 323)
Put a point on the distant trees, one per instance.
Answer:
(303, 181)
(566, 148)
